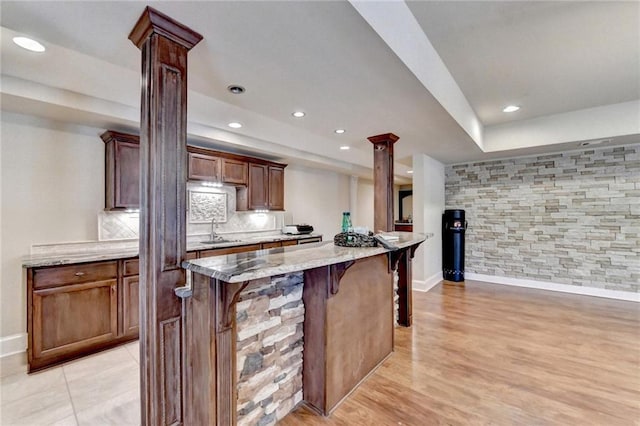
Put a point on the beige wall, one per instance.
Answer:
(364, 216)
(317, 197)
(52, 182)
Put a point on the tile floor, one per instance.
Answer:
(101, 389)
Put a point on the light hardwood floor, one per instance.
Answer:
(490, 354)
(477, 354)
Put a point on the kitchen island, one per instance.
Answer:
(252, 318)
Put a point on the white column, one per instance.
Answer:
(428, 206)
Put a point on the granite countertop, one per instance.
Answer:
(265, 263)
(97, 254)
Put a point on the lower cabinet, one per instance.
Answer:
(130, 305)
(75, 310)
(68, 319)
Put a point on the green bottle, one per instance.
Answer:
(346, 221)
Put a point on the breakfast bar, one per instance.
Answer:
(269, 329)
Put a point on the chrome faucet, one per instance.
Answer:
(214, 226)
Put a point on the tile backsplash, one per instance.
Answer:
(204, 203)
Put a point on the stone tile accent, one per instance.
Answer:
(120, 225)
(569, 218)
(270, 316)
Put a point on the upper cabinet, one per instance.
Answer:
(122, 170)
(214, 166)
(234, 172)
(258, 187)
(204, 167)
(276, 188)
(259, 183)
(265, 190)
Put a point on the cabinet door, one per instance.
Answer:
(122, 170)
(234, 171)
(258, 186)
(276, 188)
(204, 167)
(289, 243)
(130, 305)
(127, 175)
(72, 318)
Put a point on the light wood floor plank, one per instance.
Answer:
(487, 354)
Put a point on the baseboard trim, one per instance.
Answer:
(427, 284)
(13, 344)
(564, 288)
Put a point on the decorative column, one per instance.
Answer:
(164, 44)
(383, 219)
(383, 181)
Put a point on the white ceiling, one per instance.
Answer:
(332, 60)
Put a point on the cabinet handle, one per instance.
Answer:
(79, 274)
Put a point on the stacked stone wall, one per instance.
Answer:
(270, 316)
(570, 218)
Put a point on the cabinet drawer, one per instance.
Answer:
(309, 240)
(273, 244)
(131, 267)
(191, 255)
(290, 243)
(74, 274)
(229, 250)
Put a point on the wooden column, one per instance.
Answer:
(383, 181)
(164, 44)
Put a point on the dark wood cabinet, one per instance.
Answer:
(71, 311)
(276, 188)
(129, 298)
(204, 167)
(130, 305)
(272, 244)
(75, 310)
(229, 250)
(234, 172)
(122, 170)
(258, 186)
(403, 227)
(260, 183)
(265, 188)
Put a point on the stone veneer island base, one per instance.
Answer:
(267, 330)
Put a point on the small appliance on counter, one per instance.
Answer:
(297, 229)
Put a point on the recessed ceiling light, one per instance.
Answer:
(29, 44)
(410, 172)
(234, 125)
(298, 114)
(339, 131)
(510, 108)
(345, 147)
(235, 89)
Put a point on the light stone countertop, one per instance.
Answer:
(97, 254)
(248, 266)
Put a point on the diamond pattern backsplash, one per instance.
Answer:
(204, 203)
